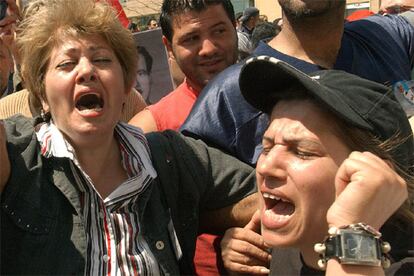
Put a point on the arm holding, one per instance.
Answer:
(244, 251)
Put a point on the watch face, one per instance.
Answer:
(359, 248)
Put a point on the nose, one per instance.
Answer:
(273, 164)
(208, 48)
(86, 71)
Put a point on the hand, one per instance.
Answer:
(4, 158)
(243, 249)
(396, 6)
(367, 190)
(8, 23)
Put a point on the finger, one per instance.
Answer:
(8, 20)
(231, 243)
(254, 224)
(356, 167)
(240, 258)
(251, 252)
(250, 270)
(248, 236)
(13, 8)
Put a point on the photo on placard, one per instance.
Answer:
(153, 73)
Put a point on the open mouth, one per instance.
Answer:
(89, 103)
(277, 210)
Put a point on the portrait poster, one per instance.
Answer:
(153, 76)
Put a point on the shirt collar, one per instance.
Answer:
(133, 144)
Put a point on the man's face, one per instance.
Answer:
(143, 82)
(309, 8)
(5, 67)
(203, 44)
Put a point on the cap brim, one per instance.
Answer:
(265, 80)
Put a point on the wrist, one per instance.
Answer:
(354, 244)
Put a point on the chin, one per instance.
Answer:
(276, 239)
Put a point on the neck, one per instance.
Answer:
(316, 40)
(102, 163)
(194, 86)
(310, 257)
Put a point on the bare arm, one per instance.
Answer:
(236, 215)
(4, 159)
(396, 6)
(145, 121)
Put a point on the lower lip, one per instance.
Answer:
(271, 220)
(212, 64)
(90, 113)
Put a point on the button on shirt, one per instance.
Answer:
(114, 243)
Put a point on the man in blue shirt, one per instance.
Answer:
(314, 36)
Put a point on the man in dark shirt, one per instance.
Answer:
(314, 36)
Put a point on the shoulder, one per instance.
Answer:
(16, 103)
(168, 99)
(225, 84)
(134, 104)
(392, 24)
(20, 135)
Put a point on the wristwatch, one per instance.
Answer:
(354, 244)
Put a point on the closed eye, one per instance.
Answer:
(102, 60)
(66, 64)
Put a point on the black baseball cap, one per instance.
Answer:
(359, 102)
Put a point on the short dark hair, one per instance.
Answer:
(171, 8)
(148, 58)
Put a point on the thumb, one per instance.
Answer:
(255, 223)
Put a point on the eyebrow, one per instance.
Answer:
(196, 31)
(295, 141)
(90, 49)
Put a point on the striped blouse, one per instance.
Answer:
(114, 245)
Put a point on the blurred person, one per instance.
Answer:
(262, 18)
(6, 68)
(133, 27)
(332, 144)
(7, 34)
(152, 24)
(396, 6)
(77, 181)
(249, 20)
(143, 81)
(264, 31)
(238, 22)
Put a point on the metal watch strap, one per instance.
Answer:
(355, 244)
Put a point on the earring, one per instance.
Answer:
(45, 115)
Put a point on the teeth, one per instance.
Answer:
(267, 195)
(276, 217)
